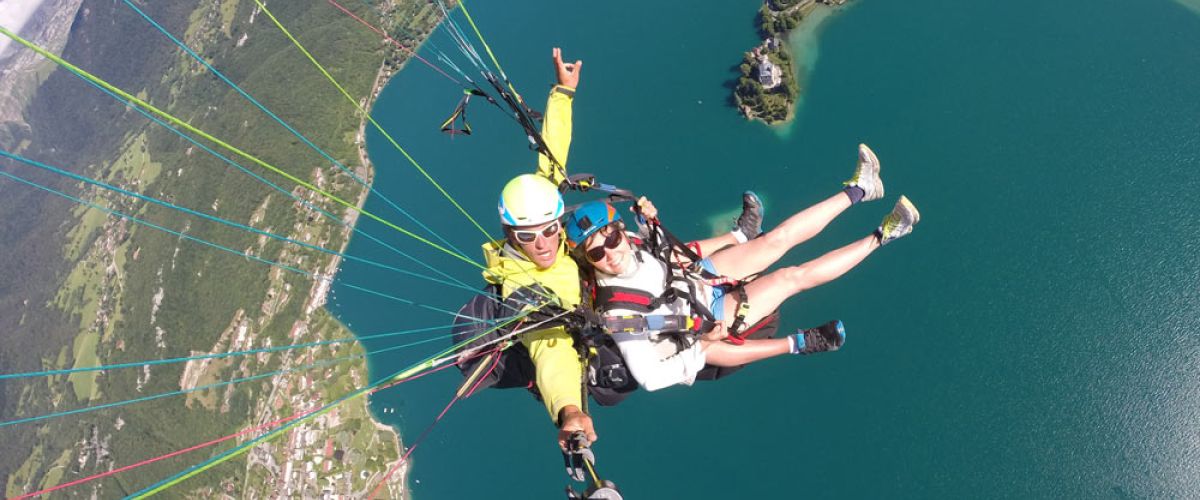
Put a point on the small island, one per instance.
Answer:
(767, 88)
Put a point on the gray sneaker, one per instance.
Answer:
(750, 222)
(825, 338)
(900, 222)
(866, 175)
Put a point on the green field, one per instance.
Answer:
(95, 290)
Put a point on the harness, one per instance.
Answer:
(683, 267)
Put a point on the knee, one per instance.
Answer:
(797, 277)
(776, 239)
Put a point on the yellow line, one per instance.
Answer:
(370, 119)
(201, 133)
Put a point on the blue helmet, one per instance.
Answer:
(587, 219)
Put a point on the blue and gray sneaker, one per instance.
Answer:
(825, 338)
(750, 222)
(866, 174)
(898, 223)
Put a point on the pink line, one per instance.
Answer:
(411, 449)
(164, 457)
(213, 442)
(394, 42)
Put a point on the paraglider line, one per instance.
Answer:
(407, 373)
(280, 121)
(70, 67)
(371, 119)
(220, 220)
(143, 399)
(216, 245)
(392, 40)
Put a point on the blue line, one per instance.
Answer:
(90, 409)
(273, 185)
(216, 219)
(255, 441)
(410, 34)
(219, 355)
(288, 127)
(204, 242)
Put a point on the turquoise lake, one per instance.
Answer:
(1038, 335)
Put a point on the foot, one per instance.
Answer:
(898, 223)
(866, 175)
(750, 222)
(827, 337)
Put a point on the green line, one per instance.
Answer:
(462, 5)
(279, 431)
(370, 119)
(384, 132)
(59, 61)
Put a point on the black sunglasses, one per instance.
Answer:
(611, 241)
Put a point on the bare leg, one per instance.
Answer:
(756, 255)
(711, 245)
(765, 294)
(724, 354)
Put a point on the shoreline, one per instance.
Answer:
(793, 53)
(382, 77)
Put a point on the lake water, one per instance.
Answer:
(1037, 335)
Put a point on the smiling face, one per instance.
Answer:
(539, 242)
(609, 250)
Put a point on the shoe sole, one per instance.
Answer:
(875, 167)
(758, 202)
(910, 208)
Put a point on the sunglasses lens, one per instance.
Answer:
(532, 236)
(595, 254)
(611, 241)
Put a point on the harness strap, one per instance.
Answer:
(637, 323)
(613, 297)
(460, 113)
(586, 182)
(736, 335)
(526, 118)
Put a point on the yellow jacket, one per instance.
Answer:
(556, 131)
(559, 371)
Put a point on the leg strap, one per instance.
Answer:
(736, 335)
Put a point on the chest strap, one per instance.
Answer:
(638, 323)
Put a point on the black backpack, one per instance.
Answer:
(607, 379)
(480, 314)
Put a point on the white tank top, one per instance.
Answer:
(655, 361)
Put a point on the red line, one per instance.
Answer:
(411, 449)
(393, 40)
(215, 441)
(164, 457)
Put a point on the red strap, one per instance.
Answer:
(630, 298)
(740, 338)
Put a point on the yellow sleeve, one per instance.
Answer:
(556, 131)
(559, 373)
